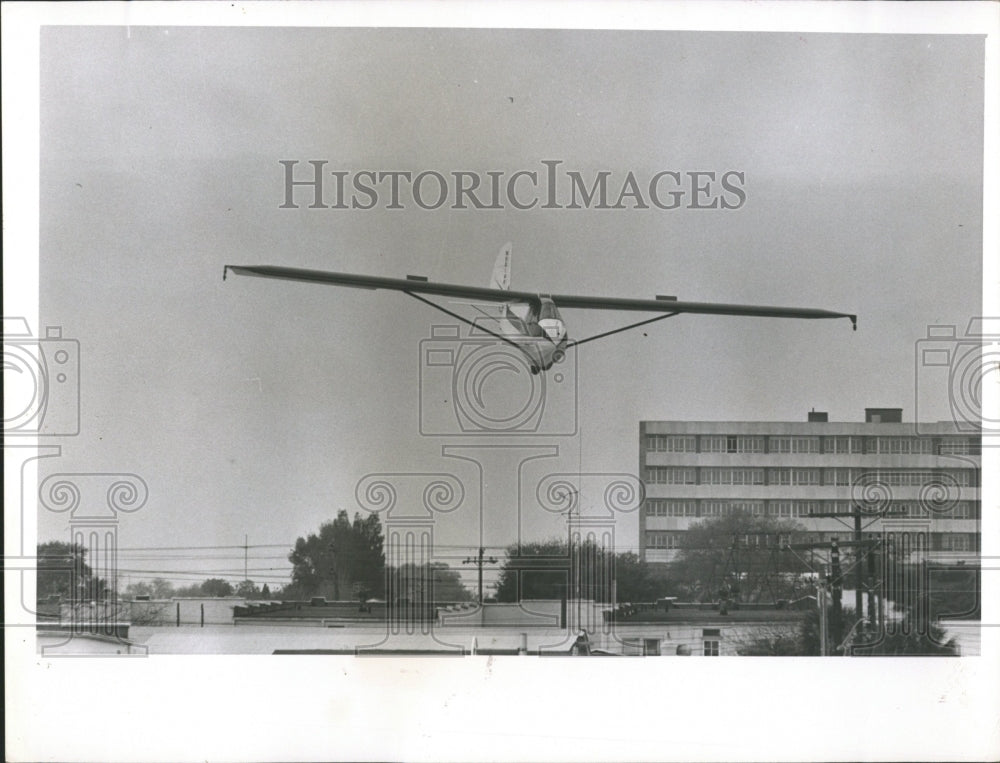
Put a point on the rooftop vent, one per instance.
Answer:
(883, 415)
(815, 415)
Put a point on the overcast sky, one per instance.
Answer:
(255, 407)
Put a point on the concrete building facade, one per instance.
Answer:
(903, 477)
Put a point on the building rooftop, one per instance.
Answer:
(879, 416)
(711, 616)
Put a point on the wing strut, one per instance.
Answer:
(617, 331)
(458, 317)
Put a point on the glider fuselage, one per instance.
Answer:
(540, 334)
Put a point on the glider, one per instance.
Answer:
(530, 321)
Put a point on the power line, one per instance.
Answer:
(193, 558)
(193, 548)
(480, 561)
(268, 573)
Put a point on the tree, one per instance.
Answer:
(342, 557)
(158, 588)
(537, 570)
(141, 588)
(909, 637)
(247, 589)
(635, 580)
(146, 612)
(265, 592)
(545, 570)
(190, 592)
(902, 637)
(63, 571)
(436, 582)
(737, 557)
(161, 589)
(216, 587)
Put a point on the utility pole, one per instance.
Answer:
(333, 572)
(836, 584)
(858, 576)
(479, 561)
(821, 603)
(856, 514)
(830, 583)
(245, 542)
(874, 617)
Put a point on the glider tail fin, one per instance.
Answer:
(501, 269)
(501, 272)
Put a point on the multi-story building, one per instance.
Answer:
(903, 477)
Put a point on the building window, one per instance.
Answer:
(904, 445)
(961, 446)
(663, 540)
(845, 445)
(711, 638)
(727, 476)
(732, 444)
(712, 508)
(749, 445)
(665, 475)
(900, 509)
(659, 507)
(661, 443)
(905, 477)
(804, 508)
(748, 507)
(805, 476)
(794, 445)
(963, 510)
(795, 476)
(725, 508)
(840, 477)
(955, 542)
(713, 444)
